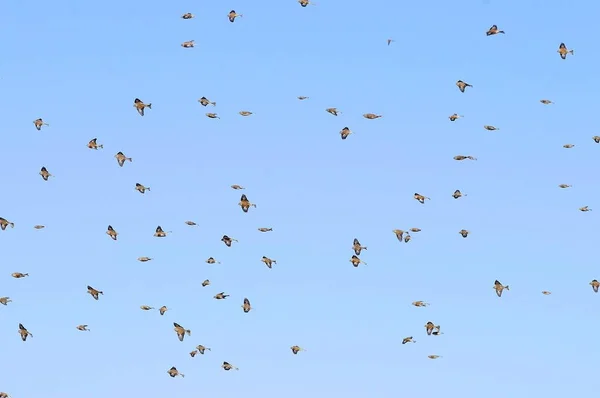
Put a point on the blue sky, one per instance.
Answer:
(79, 66)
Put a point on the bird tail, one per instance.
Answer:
(12, 224)
(506, 287)
(149, 106)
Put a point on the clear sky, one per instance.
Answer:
(79, 66)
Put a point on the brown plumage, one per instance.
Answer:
(345, 132)
(414, 230)
(304, 3)
(296, 349)
(463, 157)
(140, 106)
(268, 262)
(371, 116)
(233, 15)
(110, 231)
(357, 247)
(188, 15)
(45, 173)
(454, 117)
(457, 194)
(24, 332)
(201, 349)
(546, 102)
(493, 31)
(163, 309)
(193, 353)
(595, 285)
(38, 123)
(356, 261)
(220, 296)
(245, 113)
(19, 275)
(429, 326)
(420, 303)
(420, 198)
(181, 331)
(546, 292)
(596, 139)
(190, 223)
(205, 102)
(585, 208)
(399, 234)
(302, 98)
(499, 288)
(211, 260)
(408, 340)
(144, 259)
(121, 158)
(564, 186)
(407, 238)
(490, 128)
(227, 240)
(433, 356)
(39, 226)
(146, 308)
(212, 115)
(205, 283)
(563, 51)
(237, 187)
(5, 223)
(462, 85)
(333, 111)
(5, 300)
(94, 293)
(464, 233)
(174, 372)
(265, 229)
(94, 145)
(159, 233)
(246, 306)
(245, 204)
(228, 366)
(141, 188)
(568, 146)
(83, 328)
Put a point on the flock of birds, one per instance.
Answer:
(431, 328)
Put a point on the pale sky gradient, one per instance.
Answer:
(79, 66)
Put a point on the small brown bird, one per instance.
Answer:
(45, 174)
(296, 349)
(188, 15)
(595, 285)
(159, 233)
(371, 116)
(247, 307)
(490, 128)
(205, 101)
(220, 296)
(233, 15)
(140, 106)
(462, 85)
(568, 146)
(407, 238)
(265, 229)
(546, 102)
(181, 331)
(268, 262)
(420, 303)
(121, 158)
(245, 113)
(4, 395)
(585, 208)
(546, 292)
(429, 326)
(464, 233)
(596, 139)
(457, 194)
(245, 204)
(163, 309)
(357, 247)
(24, 332)
(174, 372)
(188, 44)
(38, 123)
(564, 186)
(356, 261)
(193, 353)
(302, 98)
(499, 288)
(141, 188)
(144, 259)
(211, 115)
(399, 234)
(39, 226)
(205, 283)
(190, 223)
(333, 111)
(227, 240)
(5, 223)
(5, 300)
(304, 3)
(493, 31)
(94, 293)
(414, 230)
(228, 366)
(211, 260)
(94, 145)
(420, 198)
(110, 231)
(237, 187)
(19, 275)
(463, 157)
(433, 356)
(563, 51)
(201, 349)
(83, 328)
(408, 340)
(146, 308)
(454, 117)
(390, 41)
(345, 132)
